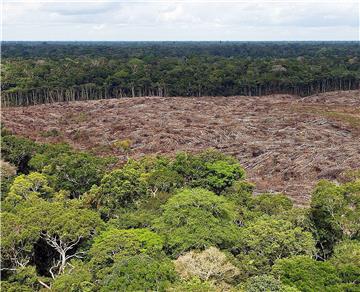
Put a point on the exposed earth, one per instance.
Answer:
(285, 143)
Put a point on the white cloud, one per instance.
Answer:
(180, 20)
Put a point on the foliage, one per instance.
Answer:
(115, 244)
(34, 72)
(18, 151)
(208, 265)
(210, 170)
(346, 259)
(241, 193)
(194, 208)
(197, 219)
(119, 189)
(17, 241)
(306, 274)
(271, 204)
(194, 284)
(265, 283)
(75, 172)
(76, 279)
(265, 240)
(24, 187)
(139, 273)
(335, 214)
(7, 174)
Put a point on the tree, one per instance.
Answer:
(197, 219)
(209, 169)
(18, 151)
(139, 273)
(241, 192)
(346, 260)
(271, 204)
(265, 283)
(26, 187)
(76, 279)
(119, 189)
(265, 240)
(17, 242)
(7, 173)
(335, 214)
(208, 265)
(194, 284)
(306, 274)
(114, 244)
(63, 227)
(73, 171)
(23, 279)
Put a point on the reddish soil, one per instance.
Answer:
(286, 144)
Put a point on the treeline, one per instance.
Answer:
(60, 50)
(34, 79)
(73, 222)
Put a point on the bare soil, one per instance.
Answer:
(285, 143)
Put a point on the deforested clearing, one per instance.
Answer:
(285, 143)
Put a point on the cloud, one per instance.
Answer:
(180, 20)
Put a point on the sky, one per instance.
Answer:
(179, 20)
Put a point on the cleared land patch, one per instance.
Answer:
(285, 143)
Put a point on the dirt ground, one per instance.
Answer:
(285, 143)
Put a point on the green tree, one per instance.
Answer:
(23, 279)
(113, 245)
(335, 214)
(119, 189)
(78, 278)
(346, 259)
(271, 204)
(306, 274)
(17, 242)
(18, 151)
(75, 172)
(139, 273)
(7, 174)
(210, 170)
(26, 187)
(197, 219)
(266, 283)
(63, 227)
(265, 240)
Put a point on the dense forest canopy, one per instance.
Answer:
(42, 72)
(72, 221)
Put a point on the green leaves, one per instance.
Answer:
(265, 240)
(115, 244)
(209, 169)
(306, 274)
(196, 219)
(139, 273)
(335, 213)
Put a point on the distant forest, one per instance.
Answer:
(44, 72)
